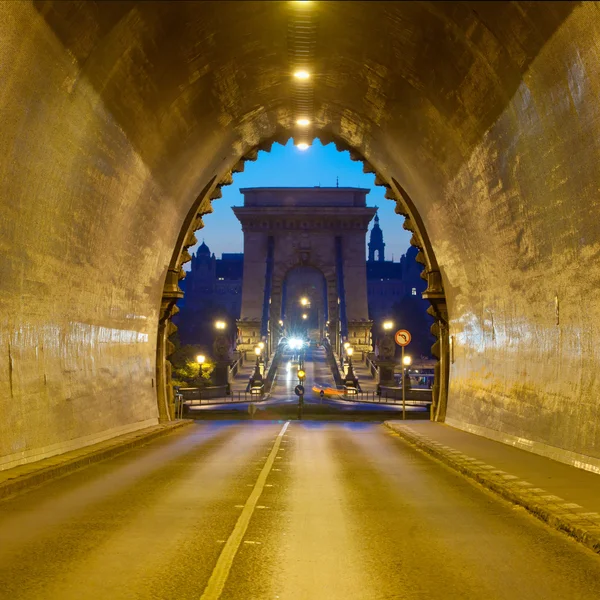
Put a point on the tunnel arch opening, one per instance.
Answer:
(404, 206)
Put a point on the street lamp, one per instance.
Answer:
(305, 316)
(406, 362)
(261, 345)
(200, 360)
(388, 325)
(220, 325)
(304, 301)
(350, 376)
(257, 375)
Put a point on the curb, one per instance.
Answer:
(62, 464)
(564, 516)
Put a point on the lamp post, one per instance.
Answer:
(385, 357)
(350, 376)
(406, 362)
(200, 359)
(346, 346)
(257, 375)
(221, 351)
(301, 375)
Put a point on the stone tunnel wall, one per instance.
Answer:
(113, 119)
(81, 262)
(524, 281)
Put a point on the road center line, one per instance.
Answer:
(220, 573)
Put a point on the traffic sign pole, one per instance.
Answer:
(403, 338)
(403, 389)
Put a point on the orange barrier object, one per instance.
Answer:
(328, 392)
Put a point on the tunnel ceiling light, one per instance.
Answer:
(301, 74)
(302, 146)
(303, 122)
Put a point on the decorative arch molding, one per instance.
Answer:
(203, 206)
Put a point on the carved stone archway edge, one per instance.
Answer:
(203, 206)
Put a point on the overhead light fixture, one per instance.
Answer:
(303, 122)
(302, 146)
(301, 74)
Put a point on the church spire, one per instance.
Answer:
(376, 245)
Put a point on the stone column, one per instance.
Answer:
(249, 337)
(222, 355)
(386, 362)
(359, 336)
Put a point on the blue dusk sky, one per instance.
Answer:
(286, 166)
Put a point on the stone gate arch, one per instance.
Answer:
(285, 227)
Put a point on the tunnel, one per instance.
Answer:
(121, 121)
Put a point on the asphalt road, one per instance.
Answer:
(246, 510)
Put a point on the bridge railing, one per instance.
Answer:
(372, 366)
(254, 395)
(389, 396)
(333, 364)
(236, 365)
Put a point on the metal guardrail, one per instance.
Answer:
(255, 395)
(384, 398)
(236, 366)
(372, 367)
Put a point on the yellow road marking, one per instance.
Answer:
(218, 578)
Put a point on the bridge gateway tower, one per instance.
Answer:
(299, 229)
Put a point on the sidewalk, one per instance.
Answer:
(563, 496)
(24, 477)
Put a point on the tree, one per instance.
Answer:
(186, 369)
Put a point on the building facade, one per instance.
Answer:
(213, 287)
(213, 290)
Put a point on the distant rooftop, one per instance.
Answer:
(305, 196)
